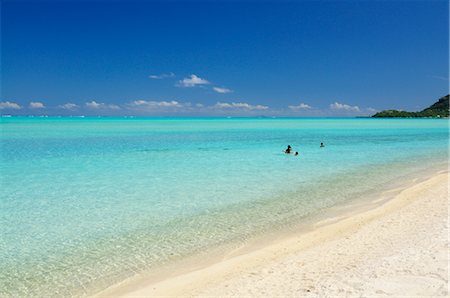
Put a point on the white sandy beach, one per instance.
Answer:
(399, 248)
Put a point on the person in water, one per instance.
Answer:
(296, 152)
(288, 150)
(322, 145)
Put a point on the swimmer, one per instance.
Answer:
(288, 150)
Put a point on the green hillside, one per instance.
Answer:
(437, 110)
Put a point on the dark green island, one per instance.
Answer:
(437, 110)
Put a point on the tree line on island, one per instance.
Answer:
(439, 109)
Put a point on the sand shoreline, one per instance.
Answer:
(270, 270)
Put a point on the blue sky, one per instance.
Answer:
(181, 58)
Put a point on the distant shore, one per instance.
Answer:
(398, 247)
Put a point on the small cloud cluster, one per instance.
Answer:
(301, 106)
(69, 106)
(222, 90)
(344, 107)
(192, 81)
(155, 104)
(9, 105)
(36, 105)
(240, 105)
(153, 107)
(95, 105)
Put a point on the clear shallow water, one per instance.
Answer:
(87, 202)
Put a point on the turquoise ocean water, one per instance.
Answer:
(88, 202)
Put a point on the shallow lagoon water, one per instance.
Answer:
(88, 202)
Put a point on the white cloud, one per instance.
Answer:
(162, 76)
(36, 105)
(9, 105)
(343, 106)
(222, 90)
(372, 110)
(156, 104)
(301, 106)
(69, 106)
(192, 81)
(95, 105)
(113, 107)
(239, 105)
